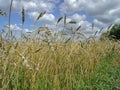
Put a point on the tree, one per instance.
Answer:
(113, 33)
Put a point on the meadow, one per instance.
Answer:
(58, 62)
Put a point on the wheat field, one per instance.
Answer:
(57, 62)
(71, 66)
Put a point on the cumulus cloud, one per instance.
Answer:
(48, 18)
(71, 5)
(15, 27)
(78, 17)
(32, 7)
(104, 11)
(86, 27)
(98, 23)
(81, 20)
(39, 5)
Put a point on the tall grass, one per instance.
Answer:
(73, 66)
(45, 62)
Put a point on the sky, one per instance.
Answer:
(85, 12)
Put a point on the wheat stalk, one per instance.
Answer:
(9, 21)
(23, 17)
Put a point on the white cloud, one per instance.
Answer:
(86, 27)
(17, 30)
(48, 18)
(104, 11)
(78, 17)
(98, 23)
(33, 15)
(5, 4)
(32, 7)
(15, 27)
(81, 20)
(71, 5)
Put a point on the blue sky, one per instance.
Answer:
(100, 12)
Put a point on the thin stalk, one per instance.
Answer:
(9, 32)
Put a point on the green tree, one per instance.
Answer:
(113, 33)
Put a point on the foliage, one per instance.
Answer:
(115, 32)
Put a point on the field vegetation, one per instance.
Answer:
(42, 60)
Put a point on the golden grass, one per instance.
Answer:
(66, 63)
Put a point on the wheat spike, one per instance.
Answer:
(59, 19)
(3, 13)
(92, 26)
(72, 22)
(41, 15)
(78, 28)
(23, 15)
(65, 20)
